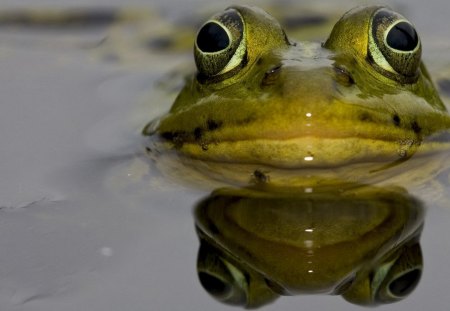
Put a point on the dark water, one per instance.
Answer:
(85, 222)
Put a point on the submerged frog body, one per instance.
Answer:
(261, 100)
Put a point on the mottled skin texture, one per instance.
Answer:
(301, 105)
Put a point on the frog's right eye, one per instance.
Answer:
(394, 46)
(220, 46)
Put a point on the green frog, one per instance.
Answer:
(348, 108)
(310, 135)
(307, 124)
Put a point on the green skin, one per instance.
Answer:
(305, 105)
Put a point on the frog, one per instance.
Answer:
(300, 141)
(296, 119)
(359, 106)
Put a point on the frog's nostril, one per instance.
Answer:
(271, 75)
(343, 77)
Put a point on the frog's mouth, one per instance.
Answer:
(319, 146)
(302, 151)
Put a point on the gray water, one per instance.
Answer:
(83, 223)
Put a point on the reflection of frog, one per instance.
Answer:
(258, 99)
(356, 241)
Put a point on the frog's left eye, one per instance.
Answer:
(220, 45)
(394, 46)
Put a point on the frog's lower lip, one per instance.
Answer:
(303, 142)
(311, 151)
(302, 151)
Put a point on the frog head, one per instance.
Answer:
(260, 98)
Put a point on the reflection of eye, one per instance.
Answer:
(391, 280)
(394, 45)
(398, 278)
(220, 45)
(215, 286)
(221, 279)
(404, 284)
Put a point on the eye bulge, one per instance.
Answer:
(394, 45)
(220, 44)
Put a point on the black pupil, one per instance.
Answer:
(213, 285)
(405, 284)
(402, 37)
(212, 38)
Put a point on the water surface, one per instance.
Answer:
(85, 222)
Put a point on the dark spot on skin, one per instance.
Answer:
(213, 125)
(302, 21)
(396, 120)
(365, 117)
(260, 177)
(160, 44)
(444, 86)
(167, 135)
(245, 121)
(177, 138)
(271, 75)
(204, 146)
(198, 133)
(415, 127)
